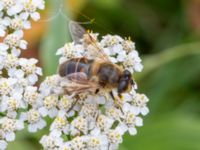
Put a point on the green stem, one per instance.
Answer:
(152, 62)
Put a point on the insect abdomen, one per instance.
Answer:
(75, 65)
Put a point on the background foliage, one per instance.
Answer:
(167, 36)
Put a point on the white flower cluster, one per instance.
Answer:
(122, 52)
(93, 121)
(17, 75)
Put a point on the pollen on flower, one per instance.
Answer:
(60, 122)
(12, 40)
(114, 136)
(94, 142)
(11, 61)
(8, 3)
(68, 50)
(33, 116)
(104, 122)
(29, 6)
(13, 104)
(8, 125)
(119, 101)
(128, 45)
(81, 124)
(17, 23)
(65, 103)
(51, 142)
(129, 118)
(5, 87)
(78, 143)
(50, 101)
(51, 81)
(113, 113)
(31, 97)
(89, 110)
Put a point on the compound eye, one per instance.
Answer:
(123, 85)
(127, 74)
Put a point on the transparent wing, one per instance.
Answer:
(97, 50)
(78, 33)
(77, 77)
(76, 83)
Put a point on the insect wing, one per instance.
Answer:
(77, 31)
(77, 77)
(98, 51)
(76, 83)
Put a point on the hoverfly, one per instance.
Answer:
(92, 75)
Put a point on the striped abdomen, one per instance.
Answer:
(75, 65)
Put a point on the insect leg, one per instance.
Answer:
(112, 95)
(120, 96)
(74, 103)
(97, 91)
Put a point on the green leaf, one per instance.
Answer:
(154, 61)
(167, 132)
(171, 79)
(55, 38)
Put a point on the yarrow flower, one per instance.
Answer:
(18, 75)
(84, 121)
(7, 128)
(93, 121)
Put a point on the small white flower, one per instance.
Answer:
(31, 96)
(6, 85)
(130, 120)
(95, 99)
(9, 126)
(34, 118)
(78, 143)
(11, 62)
(79, 125)
(11, 105)
(89, 111)
(51, 142)
(140, 103)
(113, 113)
(60, 124)
(66, 146)
(30, 69)
(115, 138)
(110, 40)
(12, 7)
(30, 9)
(133, 62)
(70, 50)
(19, 23)
(14, 40)
(65, 103)
(104, 123)
(50, 106)
(128, 45)
(50, 85)
(98, 142)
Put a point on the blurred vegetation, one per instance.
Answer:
(167, 36)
